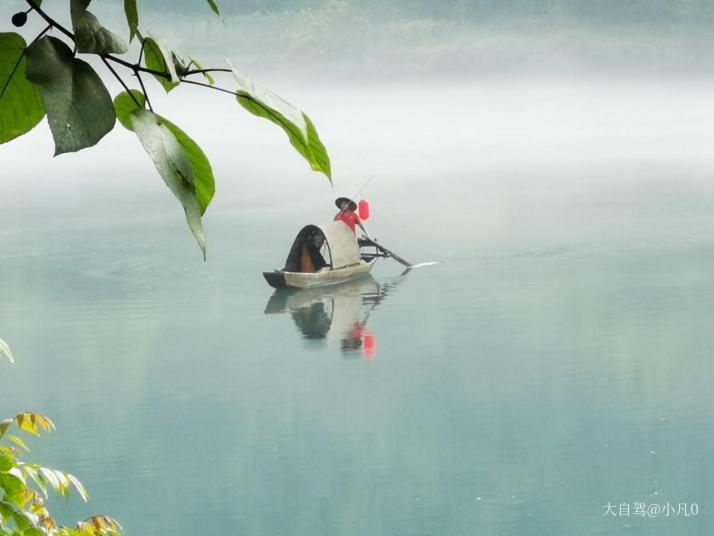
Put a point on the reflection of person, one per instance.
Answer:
(348, 216)
(359, 338)
(353, 338)
(350, 344)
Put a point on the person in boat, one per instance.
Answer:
(348, 216)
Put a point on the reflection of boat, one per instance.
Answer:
(323, 310)
(322, 255)
(339, 311)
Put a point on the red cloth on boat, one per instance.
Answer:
(349, 218)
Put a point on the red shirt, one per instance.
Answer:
(349, 218)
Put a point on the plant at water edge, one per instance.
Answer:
(24, 486)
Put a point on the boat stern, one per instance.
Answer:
(275, 279)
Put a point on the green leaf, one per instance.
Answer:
(179, 65)
(19, 442)
(202, 172)
(79, 487)
(6, 512)
(33, 471)
(7, 462)
(9, 510)
(204, 180)
(100, 523)
(173, 165)
(297, 125)
(90, 36)
(4, 425)
(10, 483)
(29, 422)
(214, 6)
(159, 58)
(50, 476)
(132, 17)
(5, 350)
(79, 107)
(124, 104)
(21, 105)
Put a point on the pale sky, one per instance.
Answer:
(371, 41)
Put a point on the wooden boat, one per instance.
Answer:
(323, 255)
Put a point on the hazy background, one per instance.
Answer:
(365, 41)
(603, 97)
(558, 155)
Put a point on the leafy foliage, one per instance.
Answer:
(79, 107)
(205, 73)
(295, 123)
(47, 77)
(178, 159)
(204, 181)
(172, 164)
(132, 17)
(159, 58)
(214, 6)
(25, 486)
(21, 105)
(90, 35)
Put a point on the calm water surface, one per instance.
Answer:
(557, 359)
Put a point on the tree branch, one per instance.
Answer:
(50, 20)
(19, 60)
(202, 71)
(143, 89)
(121, 81)
(193, 82)
(141, 52)
(241, 94)
(135, 66)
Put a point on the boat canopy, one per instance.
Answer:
(305, 255)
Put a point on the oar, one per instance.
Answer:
(390, 253)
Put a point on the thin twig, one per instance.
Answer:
(143, 89)
(193, 82)
(12, 73)
(202, 71)
(241, 94)
(69, 34)
(19, 60)
(138, 74)
(136, 67)
(39, 35)
(116, 75)
(50, 20)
